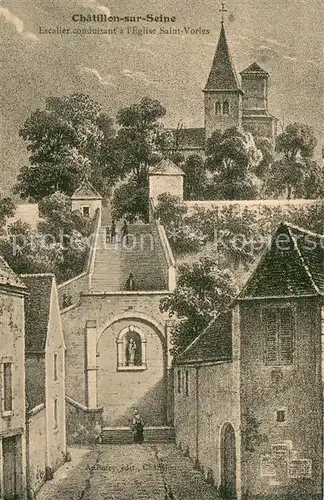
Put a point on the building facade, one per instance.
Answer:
(45, 379)
(12, 387)
(230, 101)
(249, 390)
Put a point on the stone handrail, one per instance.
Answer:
(167, 252)
(75, 286)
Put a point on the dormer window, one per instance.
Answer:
(218, 108)
(226, 108)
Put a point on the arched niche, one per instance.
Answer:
(131, 349)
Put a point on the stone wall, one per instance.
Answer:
(297, 390)
(37, 447)
(118, 391)
(212, 401)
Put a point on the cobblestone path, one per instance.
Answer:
(128, 472)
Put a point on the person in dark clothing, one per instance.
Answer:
(130, 283)
(138, 428)
(125, 233)
(113, 232)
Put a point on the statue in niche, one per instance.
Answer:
(131, 351)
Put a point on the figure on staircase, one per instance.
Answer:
(130, 283)
(125, 233)
(113, 232)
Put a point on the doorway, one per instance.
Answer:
(11, 467)
(228, 462)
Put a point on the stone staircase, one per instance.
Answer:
(123, 435)
(114, 261)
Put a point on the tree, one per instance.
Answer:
(57, 216)
(202, 292)
(195, 180)
(140, 138)
(295, 174)
(131, 201)
(7, 209)
(171, 213)
(70, 139)
(233, 157)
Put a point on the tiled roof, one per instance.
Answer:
(191, 138)
(293, 266)
(86, 192)
(37, 310)
(222, 75)
(212, 345)
(254, 68)
(166, 167)
(8, 277)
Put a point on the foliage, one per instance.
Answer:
(195, 180)
(60, 245)
(140, 138)
(252, 438)
(233, 158)
(234, 234)
(58, 217)
(295, 174)
(7, 209)
(171, 212)
(131, 201)
(203, 290)
(70, 139)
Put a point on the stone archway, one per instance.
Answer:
(228, 462)
(125, 383)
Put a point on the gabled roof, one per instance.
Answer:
(222, 75)
(86, 192)
(254, 68)
(166, 167)
(214, 344)
(293, 266)
(8, 277)
(37, 310)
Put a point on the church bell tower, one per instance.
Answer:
(222, 93)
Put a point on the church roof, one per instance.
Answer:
(37, 310)
(254, 68)
(86, 192)
(8, 277)
(212, 345)
(293, 266)
(222, 75)
(166, 167)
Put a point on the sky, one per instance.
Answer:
(284, 36)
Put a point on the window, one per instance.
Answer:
(55, 414)
(226, 108)
(7, 387)
(218, 108)
(279, 336)
(55, 366)
(86, 211)
(187, 383)
(179, 381)
(281, 416)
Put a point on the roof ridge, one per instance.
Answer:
(309, 274)
(303, 230)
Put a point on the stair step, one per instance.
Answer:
(123, 435)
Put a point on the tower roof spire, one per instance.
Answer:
(222, 75)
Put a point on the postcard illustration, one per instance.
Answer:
(161, 250)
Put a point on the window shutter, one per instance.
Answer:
(271, 325)
(286, 337)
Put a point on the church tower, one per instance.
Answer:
(222, 93)
(256, 116)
